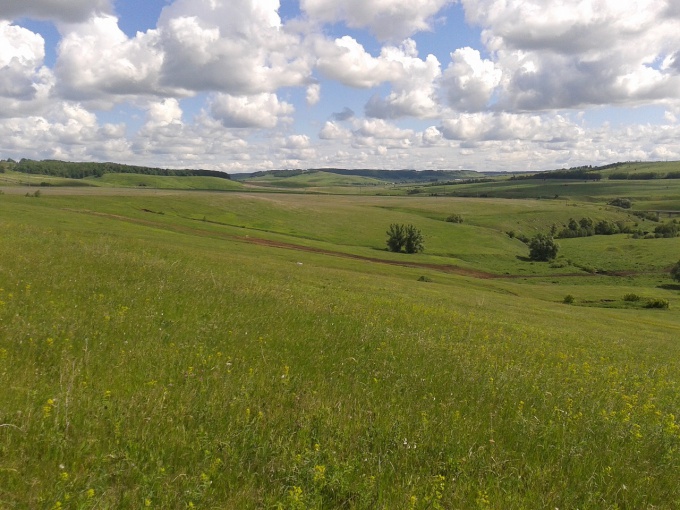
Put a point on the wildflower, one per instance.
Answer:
(90, 493)
(319, 473)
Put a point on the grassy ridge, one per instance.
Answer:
(157, 360)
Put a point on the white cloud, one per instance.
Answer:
(412, 79)
(62, 10)
(413, 88)
(162, 113)
(470, 81)
(97, 61)
(555, 54)
(387, 19)
(25, 84)
(476, 127)
(313, 94)
(346, 61)
(333, 131)
(237, 47)
(257, 111)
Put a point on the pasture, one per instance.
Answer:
(175, 349)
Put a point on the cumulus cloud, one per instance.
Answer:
(333, 131)
(388, 20)
(556, 55)
(476, 127)
(470, 81)
(257, 111)
(413, 88)
(412, 79)
(25, 84)
(62, 10)
(237, 47)
(97, 61)
(162, 113)
(346, 61)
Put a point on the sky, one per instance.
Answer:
(248, 85)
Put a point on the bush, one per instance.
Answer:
(624, 203)
(667, 230)
(543, 248)
(455, 218)
(675, 271)
(631, 298)
(568, 299)
(407, 237)
(657, 303)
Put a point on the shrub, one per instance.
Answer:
(455, 218)
(568, 299)
(657, 303)
(675, 271)
(667, 230)
(543, 248)
(631, 297)
(624, 203)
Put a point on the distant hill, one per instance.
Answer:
(381, 175)
(72, 170)
(629, 170)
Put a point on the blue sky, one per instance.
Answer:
(244, 85)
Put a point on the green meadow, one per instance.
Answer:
(173, 349)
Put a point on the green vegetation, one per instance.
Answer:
(675, 271)
(80, 170)
(406, 237)
(543, 248)
(176, 349)
(455, 218)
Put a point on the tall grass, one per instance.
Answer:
(146, 368)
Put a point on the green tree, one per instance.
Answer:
(414, 240)
(543, 248)
(396, 237)
(675, 271)
(407, 237)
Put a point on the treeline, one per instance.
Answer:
(581, 173)
(586, 227)
(642, 176)
(71, 170)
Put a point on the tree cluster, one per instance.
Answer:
(406, 237)
(586, 227)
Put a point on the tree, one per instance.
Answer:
(675, 271)
(407, 237)
(396, 237)
(414, 240)
(543, 248)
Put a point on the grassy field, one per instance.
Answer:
(173, 349)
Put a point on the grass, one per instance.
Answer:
(165, 182)
(152, 356)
